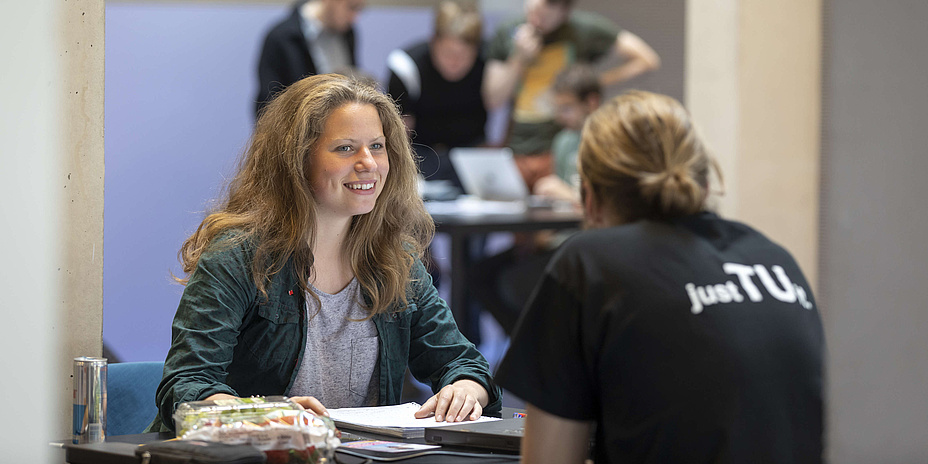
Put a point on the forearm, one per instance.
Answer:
(553, 439)
(624, 72)
(178, 389)
(639, 58)
(501, 80)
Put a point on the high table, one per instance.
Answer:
(460, 227)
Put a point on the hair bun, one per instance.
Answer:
(640, 155)
(673, 192)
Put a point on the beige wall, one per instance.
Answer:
(754, 88)
(80, 50)
(780, 99)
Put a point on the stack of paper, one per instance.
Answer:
(394, 421)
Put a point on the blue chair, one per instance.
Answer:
(130, 391)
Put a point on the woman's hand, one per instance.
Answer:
(312, 404)
(460, 401)
(308, 402)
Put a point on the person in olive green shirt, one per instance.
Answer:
(306, 281)
(527, 54)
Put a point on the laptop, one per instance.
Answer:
(501, 435)
(489, 173)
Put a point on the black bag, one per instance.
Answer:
(198, 452)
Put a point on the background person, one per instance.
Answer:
(577, 94)
(527, 54)
(306, 281)
(682, 336)
(437, 85)
(317, 38)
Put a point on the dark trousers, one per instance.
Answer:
(504, 282)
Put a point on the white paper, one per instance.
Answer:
(399, 416)
(467, 205)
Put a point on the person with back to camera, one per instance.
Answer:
(306, 281)
(683, 337)
(437, 85)
(318, 37)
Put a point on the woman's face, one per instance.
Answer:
(349, 165)
(453, 57)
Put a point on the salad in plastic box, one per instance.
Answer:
(281, 428)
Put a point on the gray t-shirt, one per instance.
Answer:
(339, 365)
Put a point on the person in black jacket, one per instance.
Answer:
(317, 38)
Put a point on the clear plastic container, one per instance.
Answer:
(281, 428)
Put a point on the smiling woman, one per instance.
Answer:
(350, 164)
(307, 277)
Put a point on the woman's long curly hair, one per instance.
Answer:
(270, 200)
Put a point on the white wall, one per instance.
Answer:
(30, 208)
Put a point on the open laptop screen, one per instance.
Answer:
(489, 173)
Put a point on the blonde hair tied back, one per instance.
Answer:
(641, 156)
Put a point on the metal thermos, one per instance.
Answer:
(89, 400)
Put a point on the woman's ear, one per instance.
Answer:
(592, 209)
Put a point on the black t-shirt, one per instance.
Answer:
(693, 340)
(448, 114)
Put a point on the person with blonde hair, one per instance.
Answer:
(306, 281)
(681, 336)
(437, 84)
